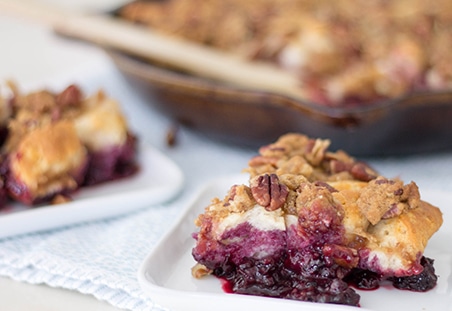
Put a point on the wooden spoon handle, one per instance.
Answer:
(110, 32)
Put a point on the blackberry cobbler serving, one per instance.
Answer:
(54, 143)
(312, 224)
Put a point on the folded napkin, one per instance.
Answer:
(99, 258)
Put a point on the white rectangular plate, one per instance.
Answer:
(165, 275)
(158, 180)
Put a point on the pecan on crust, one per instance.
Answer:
(268, 191)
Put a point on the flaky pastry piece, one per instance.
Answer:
(285, 236)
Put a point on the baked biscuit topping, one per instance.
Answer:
(101, 123)
(49, 159)
(306, 231)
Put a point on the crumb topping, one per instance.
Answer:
(384, 198)
(299, 155)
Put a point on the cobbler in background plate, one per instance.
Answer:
(55, 143)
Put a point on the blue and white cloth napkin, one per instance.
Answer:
(100, 258)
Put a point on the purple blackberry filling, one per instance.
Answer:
(307, 261)
(3, 194)
(113, 163)
(422, 282)
(286, 237)
(3, 171)
(262, 263)
(19, 191)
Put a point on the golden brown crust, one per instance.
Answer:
(98, 119)
(47, 155)
(347, 195)
(405, 237)
(384, 198)
(412, 228)
(396, 241)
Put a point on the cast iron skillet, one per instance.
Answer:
(413, 124)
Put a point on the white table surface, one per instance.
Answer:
(32, 55)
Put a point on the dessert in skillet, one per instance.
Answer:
(311, 224)
(345, 53)
(55, 143)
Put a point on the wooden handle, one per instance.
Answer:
(111, 32)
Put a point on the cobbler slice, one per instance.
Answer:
(56, 143)
(293, 236)
(103, 129)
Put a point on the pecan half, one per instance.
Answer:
(357, 170)
(362, 171)
(268, 191)
(71, 96)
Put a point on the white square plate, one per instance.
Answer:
(158, 180)
(165, 275)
